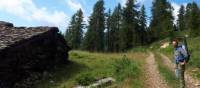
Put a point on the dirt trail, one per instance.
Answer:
(190, 82)
(153, 78)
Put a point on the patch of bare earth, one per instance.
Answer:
(152, 77)
(190, 81)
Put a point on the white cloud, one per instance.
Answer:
(26, 9)
(142, 1)
(74, 5)
(176, 9)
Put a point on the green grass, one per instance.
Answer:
(124, 68)
(194, 46)
(166, 73)
(142, 49)
(86, 67)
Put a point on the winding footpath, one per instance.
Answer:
(152, 77)
(190, 81)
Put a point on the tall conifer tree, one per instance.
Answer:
(194, 21)
(142, 26)
(108, 35)
(162, 19)
(74, 33)
(128, 31)
(94, 38)
(181, 19)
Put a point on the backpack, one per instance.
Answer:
(185, 48)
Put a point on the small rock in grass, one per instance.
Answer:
(52, 81)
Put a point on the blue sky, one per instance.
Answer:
(58, 12)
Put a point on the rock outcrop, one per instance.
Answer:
(27, 50)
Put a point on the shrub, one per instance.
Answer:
(125, 68)
(85, 79)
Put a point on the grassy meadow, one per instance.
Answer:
(127, 68)
(86, 67)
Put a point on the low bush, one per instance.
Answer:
(125, 68)
(85, 79)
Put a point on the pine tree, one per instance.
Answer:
(116, 26)
(142, 25)
(113, 27)
(94, 38)
(108, 38)
(74, 33)
(187, 15)
(69, 31)
(194, 21)
(181, 19)
(162, 19)
(127, 37)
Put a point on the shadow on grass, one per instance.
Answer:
(61, 75)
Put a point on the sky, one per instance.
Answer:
(57, 13)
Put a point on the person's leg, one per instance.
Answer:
(182, 79)
(177, 73)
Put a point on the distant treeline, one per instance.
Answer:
(126, 27)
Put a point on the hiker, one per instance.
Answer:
(180, 55)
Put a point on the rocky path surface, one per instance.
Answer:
(190, 81)
(153, 78)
